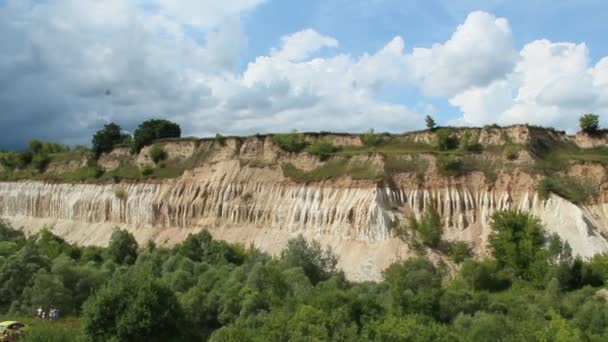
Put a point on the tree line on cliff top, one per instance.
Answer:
(532, 289)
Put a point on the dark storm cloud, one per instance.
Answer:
(62, 77)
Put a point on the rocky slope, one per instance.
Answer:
(239, 189)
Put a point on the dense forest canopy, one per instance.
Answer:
(533, 289)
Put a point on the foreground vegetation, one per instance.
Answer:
(202, 289)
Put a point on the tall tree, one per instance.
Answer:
(107, 138)
(151, 130)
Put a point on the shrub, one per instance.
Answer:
(429, 227)
(484, 275)
(106, 138)
(451, 166)
(322, 148)
(318, 264)
(120, 193)
(444, 140)
(220, 139)
(510, 152)
(566, 187)
(470, 144)
(157, 153)
(589, 123)
(40, 162)
(290, 142)
(147, 170)
(151, 130)
(371, 139)
(459, 251)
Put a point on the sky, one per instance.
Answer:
(67, 67)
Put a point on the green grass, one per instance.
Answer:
(489, 169)
(394, 164)
(63, 330)
(176, 167)
(68, 156)
(392, 147)
(125, 170)
(575, 190)
(332, 169)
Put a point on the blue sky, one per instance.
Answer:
(248, 66)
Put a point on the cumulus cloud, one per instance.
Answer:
(69, 66)
(479, 52)
(300, 45)
(551, 84)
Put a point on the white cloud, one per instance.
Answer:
(301, 45)
(204, 14)
(479, 52)
(552, 84)
(178, 60)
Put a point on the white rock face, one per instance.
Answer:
(357, 222)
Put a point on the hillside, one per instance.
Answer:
(352, 192)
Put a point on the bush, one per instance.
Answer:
(371, 139)
(510, 152)
(120, 193)
(40, 162)
(566, 187)
(157, 153)
(470, 144)
(429, 227)
(290, 142)
(147, 170)
(318, 264)
(484, 275)
(107, 138)
(322, 148)
(220, 139)
(589, 123)
(151, 130)
(451, 166)
(444, 140)
(459, 251)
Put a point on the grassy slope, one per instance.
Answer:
(63, 330)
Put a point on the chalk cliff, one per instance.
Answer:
(241, 192)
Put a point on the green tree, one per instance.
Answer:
(133, 307)
(459, 251)
(318, 264)
(429, 227)
(516, 241)
(589, 123)
(415, 286)
(107, 138)
(152, 130)
(411, 328)
(123, 247)
(430, 122)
